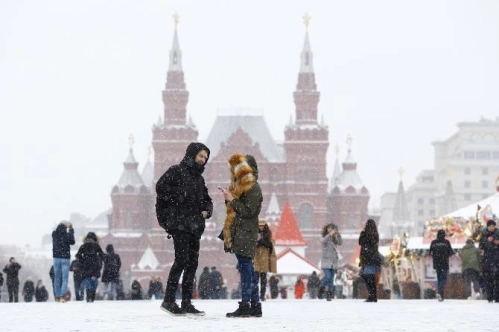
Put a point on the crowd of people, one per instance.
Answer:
(182, 206)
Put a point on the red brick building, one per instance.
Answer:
(292, 171)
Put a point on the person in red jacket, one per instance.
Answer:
(299, 287)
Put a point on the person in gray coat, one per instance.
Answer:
(331, 238)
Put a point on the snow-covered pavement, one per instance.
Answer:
(278, 315)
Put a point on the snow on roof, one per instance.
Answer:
(148, 260)
(471, 210)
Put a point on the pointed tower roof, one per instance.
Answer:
(273, 205)
(349, 176)
(449, 201)
(130, 175)
(306, 57)
(288, 232)
(148, 260)
(337, 168)
(148, 171)
(175, 53)
(401, 210)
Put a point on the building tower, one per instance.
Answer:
(401, 222)
(306, 143)
(171, 137)
(131, 199)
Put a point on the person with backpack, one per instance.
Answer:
(182, 206)
(111, 273)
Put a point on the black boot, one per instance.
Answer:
(321, 293)
(90, 296)
(256, 309)
(244, 310)
(329, 296)
(189, 309)
(371, 288)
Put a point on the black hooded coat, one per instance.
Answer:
(441, 250)
(182, 195)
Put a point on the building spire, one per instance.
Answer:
(306, 63)
(175, 53)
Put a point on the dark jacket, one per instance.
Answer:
(75, 267)
(12, 273)
(490, 250)
(28, 290)
(90, 255)
(313, 281)
(62, 238)
(112, 265)
(204, 285)
(182, 195)
(441, 250)
(247, 209)
(136, 290)
(41, 294)
(369, 254)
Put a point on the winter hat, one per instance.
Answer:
(469, 241)
(194, 148)
(262, 222)
(491, 222)
(92, 236)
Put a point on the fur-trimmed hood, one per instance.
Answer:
(242, 173)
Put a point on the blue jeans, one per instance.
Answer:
(110, 290)
(61, 276)
(249, 282)
(441, 280)
(328, 279)
(91, 284)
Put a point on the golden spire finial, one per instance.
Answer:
(337, 150)
(401, 172)
(175, 19)
(349, 141)
(131, 140)
(306, 20)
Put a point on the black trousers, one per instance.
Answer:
(13, 290)
(492, 285)
(262, 278)
(186, 247)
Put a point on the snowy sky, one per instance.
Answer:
(76, 78)
(278, 315)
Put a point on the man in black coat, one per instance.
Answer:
(11, 270)
(441, 250)
(489, 243)
(111, 273)
(182, 205)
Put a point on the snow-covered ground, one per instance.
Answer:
(278, 315)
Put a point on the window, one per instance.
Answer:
(485, 184)
(467, 171)
(306, 215)
(467, 184)
(485, 171)
(420, 201)
(483, 155)
(467, 197)
(420, 212)
(432, 201)
(469, 154)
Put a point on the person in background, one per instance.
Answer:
(11, 271)
(90, 255)
(155, 288)
(1, 284)
(41, 294)
(62, 239)
(489, 243)
(28, 290)
(216, 282)
(265, 257)
(441, 250)
(182, 207)
(299, 288)
(204, 286)
(370, 260)
(331, 238)
(75, 267)
(274, 286)
(313, 284)
(471, 267)
(136, 290)
(111, 273)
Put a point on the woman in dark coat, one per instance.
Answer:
(90, 255)
(111, 274)
(28, 290)
(41, 293)
(370, 261)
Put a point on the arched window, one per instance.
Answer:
(306, 215)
